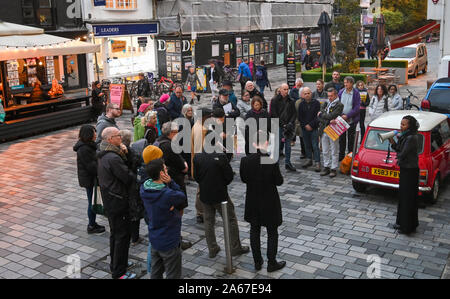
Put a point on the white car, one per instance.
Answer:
(416, 55)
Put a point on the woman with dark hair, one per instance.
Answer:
(379, 102)
(98, 101)
(362, 108)
(395, 99)
(407, 149)
(87, 170)
(257, 112)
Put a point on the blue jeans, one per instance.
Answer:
(261, 87)
(311, 139)
(91, 214)
(149, 257)
(287, 148)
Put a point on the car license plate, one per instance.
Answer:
(386, 173)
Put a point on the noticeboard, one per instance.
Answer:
(291, 71)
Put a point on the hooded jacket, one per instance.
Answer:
(104, 122)
(164, 227)
(86, 163)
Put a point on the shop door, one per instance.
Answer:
(226, 58)
(71, 71)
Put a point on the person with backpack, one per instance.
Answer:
(261, 76)
(379, 102)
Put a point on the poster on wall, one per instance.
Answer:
(245, 51)
(314, 43)
(261, 47)
(171, 47)
(256, 48)
(252, 49)
(291, 44)
(215, 50)
(298, 47)
(280, 49)
(238, 50)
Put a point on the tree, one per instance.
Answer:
(394, 21)
(346, 27)
(414, 12)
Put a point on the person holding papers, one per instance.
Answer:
(330, 149)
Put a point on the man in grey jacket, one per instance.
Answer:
(107, 119)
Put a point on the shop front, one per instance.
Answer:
(38, 73)
(125, 49)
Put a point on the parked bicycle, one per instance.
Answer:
(230, 73)
(407, 101)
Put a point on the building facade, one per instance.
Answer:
(126, 31)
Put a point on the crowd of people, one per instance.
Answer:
(141, 177)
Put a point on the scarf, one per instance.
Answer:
(150, 185)
(107, 147)
(331, 105)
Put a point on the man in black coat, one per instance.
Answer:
(262, 202)
(213, 173)
(283, 108)
(308, 60)
(114, 177)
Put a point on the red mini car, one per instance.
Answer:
(375, 162)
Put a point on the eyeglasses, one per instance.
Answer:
(116, 136)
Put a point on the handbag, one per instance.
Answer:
(97, 205)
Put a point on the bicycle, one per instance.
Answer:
(407, 102)
(164, 85)
(230, 73)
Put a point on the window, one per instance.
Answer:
(373, 142)
(28, 12)
(121, 4)
(436, 139)
(37, 12)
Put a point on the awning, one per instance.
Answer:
(38, 45)
(415, 36)
(16, 29)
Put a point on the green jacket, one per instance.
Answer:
(139, 129)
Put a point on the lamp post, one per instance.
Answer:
(193, 34)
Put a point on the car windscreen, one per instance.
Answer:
(373, 142)
(402, 53)
(440, 99)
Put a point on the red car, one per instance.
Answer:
(375, 162)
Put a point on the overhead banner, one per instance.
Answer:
(126, 29)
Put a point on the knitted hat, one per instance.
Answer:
(164, 98)
(151, 153)
(143, 107)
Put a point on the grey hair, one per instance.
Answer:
(126, 137)
(108, 132)
(186, 108)
(299, 80)
(349, 79)
(146, 119)
(169, 127)
(248, 83)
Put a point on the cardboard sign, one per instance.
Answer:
(335, 130)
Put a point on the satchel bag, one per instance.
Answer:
(97, 205)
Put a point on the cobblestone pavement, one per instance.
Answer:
(329, 230)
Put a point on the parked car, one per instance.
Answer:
(375, 162)
(416, 55)
(438, 97)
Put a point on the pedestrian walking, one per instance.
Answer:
(98, 100)
(114, 177)
(283, 108)
(261, 77)
(330, 149)
(107, 120)
(87, 171)
(307, 116)
(244, 73)
(351, 99)
(251, 66)
(143, 89)
(177, 100)
(365, 101)
(379, 103)
(163, 200)
(262, 202)
(335, 82)
(213, 173)
(308, 61)
(214, 76)
(191, 84)
(407, 149)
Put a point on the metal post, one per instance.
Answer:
(355, 146)
(226, 231)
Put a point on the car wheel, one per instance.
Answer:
(432, 197)
(425, 69)
(416, 72)
(359, 187)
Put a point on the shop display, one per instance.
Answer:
(13, 73)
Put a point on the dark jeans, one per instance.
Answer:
(261, 87)
(166, 261)
(134, 230)
(210, 220)
(91, 215)
(119, 243)
(287, 146)
(311, 139)
(272, 243)
(362, 119)
(346, 140)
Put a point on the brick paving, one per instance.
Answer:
(329, 230)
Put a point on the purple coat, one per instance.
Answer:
(354, 113)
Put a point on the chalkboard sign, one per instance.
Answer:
(118, 94)
(290, 69)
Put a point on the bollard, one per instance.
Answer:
(355, 147)
(226, 231)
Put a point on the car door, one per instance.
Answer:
(437, 151)
(445, 135)
(420, 57)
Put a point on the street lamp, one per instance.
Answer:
(193, 34)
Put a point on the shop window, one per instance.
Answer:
(121, 4)
(28, 12)
(45, 13)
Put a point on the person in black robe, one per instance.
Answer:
(407, 149)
